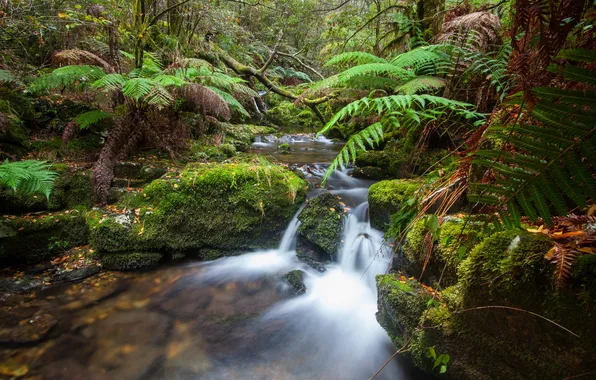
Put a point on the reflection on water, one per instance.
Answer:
(304, 149)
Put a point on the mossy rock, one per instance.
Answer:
(232, 206)
(130, 260)
(287, 114)
(296, 280)
(457, 237)
(321, 225)
(31, 239)
(72, 188)
(245, 133)
(386, 198)
(508, 273)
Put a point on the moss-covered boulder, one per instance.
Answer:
(227, 207)
(456, 236)
(287, 114)
(32, 238)
(387, 197)
(321, 225)
(503, 319)
(72, 188)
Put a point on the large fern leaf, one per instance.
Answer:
(27, 177)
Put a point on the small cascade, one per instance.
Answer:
(288, 241)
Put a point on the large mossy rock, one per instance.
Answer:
(386, 198)
(457, 235)
(287, 114)
(485, 322)
(33, 238)
(321, 225)
(227, 207)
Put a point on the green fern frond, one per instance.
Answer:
(158, 96)
(137, 88)
(354, 57)
(371, 136)
(7, 77)
(87, 119)
(68, 76)
(580, 55)
(421, 84)
(110, 82)
(27, 177)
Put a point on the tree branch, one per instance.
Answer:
(159, 15)
(270, 60)
(293, 56)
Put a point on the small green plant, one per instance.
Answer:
(284, 148)
(440, 362)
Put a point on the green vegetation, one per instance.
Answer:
(127, 127)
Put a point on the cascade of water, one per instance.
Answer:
(288, 242)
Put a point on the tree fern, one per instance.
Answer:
(27, 177)
(419, 84)
(548, 168)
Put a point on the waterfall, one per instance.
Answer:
(332, 327)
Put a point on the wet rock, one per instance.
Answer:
(131, 260)
(28, 330)
(321, 225)
(33, 238)
(296, 279)
(185, 303)
(129, 343)
(75, 274)
(387, 197)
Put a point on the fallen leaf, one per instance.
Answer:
(13, 368)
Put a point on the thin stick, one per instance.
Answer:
(391, 358)
(518, 309)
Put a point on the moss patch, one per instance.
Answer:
(386, 198)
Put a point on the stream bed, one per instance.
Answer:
(232, 318)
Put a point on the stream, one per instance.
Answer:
(232, 318)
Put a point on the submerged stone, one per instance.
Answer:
(296, 279)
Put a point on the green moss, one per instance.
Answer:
(387, 197)
(130, 260)
(296, 279)
(35, 238)
(284, 148)
(321, 224)
(287, 114)
(401, 302)
(245, 133)
(454, 233)
(584, 277)
(509, 261)
(507, 269)
(221, 206)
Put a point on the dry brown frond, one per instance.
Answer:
(207, 101)
(483, 27)
(80, 57)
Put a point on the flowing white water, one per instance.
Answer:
(331, 331)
